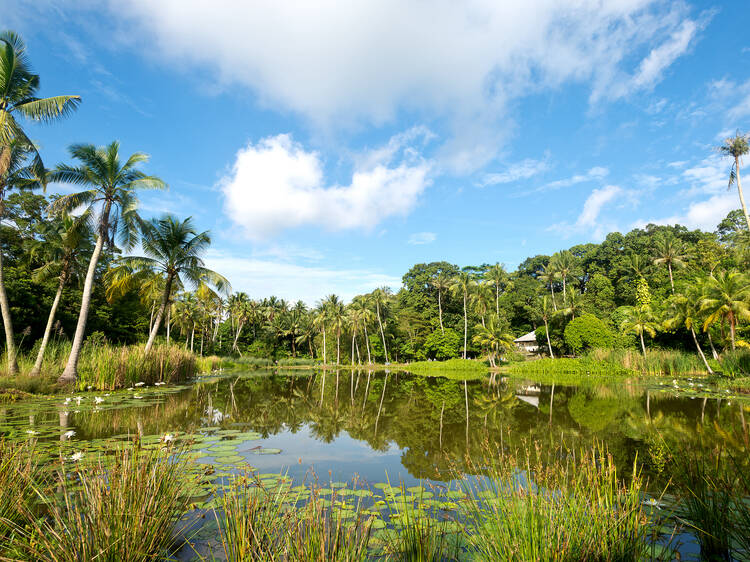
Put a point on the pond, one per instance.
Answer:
(335, 426)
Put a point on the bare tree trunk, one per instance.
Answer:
(192, 338)
(324, 345)
(466, 324)
(71, 368)
(643, 345)
(367, 344)
(169, 322)
(240, 325)
(10, 342)
(549, 344)
(700, 352)
(440, 312)
(554, 302)
(713, 349)
(160, 313)
(48, 329)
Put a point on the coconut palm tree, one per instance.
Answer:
(549, 275)
(685, 311)
(363, 316)
(319, 321)
(494, 337)
(574, 304)
(442, 282)
(736, 147)
(111, 190)
(635, 267)
(726, 298)
(173, 251)
(545, 314)
(670, 251)
(239, 314)
(380, 298)
(481, 299)
(565, 263)
(336, 315)
(496, 276)
(19, 87)
(187, 316)
(19, 174)
(639, 320)
(62, 242)
(462, 285)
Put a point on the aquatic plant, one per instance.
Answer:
(123, 507)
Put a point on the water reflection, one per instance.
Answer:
(363, 422)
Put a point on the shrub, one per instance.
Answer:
(441, 346)
(587, 332)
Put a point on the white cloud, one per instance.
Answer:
(419, 238)
(705, 214)
(276, 184)
(597, 173)
(341, 64)
(588, 221)
(522, 170)
(261, 278)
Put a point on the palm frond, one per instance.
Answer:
(48, 109)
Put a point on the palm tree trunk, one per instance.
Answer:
(354, 334)
(497, 299)
(739, 190)
(554, 302)
(700, 352)
(466, 324)
(192, 338)
(48, 329)
(71, 368)
(440, 312)
(237, 335)
(10, 342)
(367, 344)
(324, 347)
(160, 313)
(549, 344)
(713, 349)
(169, 322)
(382, 333)
(565, 291)
(338, 346)
(671, 280)
(731, 329)
(643, 345)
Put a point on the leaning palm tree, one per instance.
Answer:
(685, 311)
(111, 198)
(496, 276)
(61, 244)
(462, 285)
(639, 320)
(18, 98)
(442, 283)
(670, 251)
(380, 298)
(173, 251)
(726, 298)
(548, 275)
(736, 147)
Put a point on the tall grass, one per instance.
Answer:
(656, 361)
(582, 366)
(109, 511)
(573, 509)
(735, 363)
(455, 367)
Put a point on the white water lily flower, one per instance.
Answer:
(89, 387)
(137, 396)
(652, 502)
(140, 383)
(75, 457)
(67, 400)
(159, 383)
(78, 399)
(68, 434)
(98, 400)
(32, 432)
(168, 438)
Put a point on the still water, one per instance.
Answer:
(377, 425)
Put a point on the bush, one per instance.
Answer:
(441, 346)
(588, 332)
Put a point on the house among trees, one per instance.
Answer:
(527, 343)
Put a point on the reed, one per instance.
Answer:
(123, 508)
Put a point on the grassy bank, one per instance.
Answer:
(109, 367)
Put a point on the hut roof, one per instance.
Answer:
(527, 338)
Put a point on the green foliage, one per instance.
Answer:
(461, 367)
(642, 292)
(587, 332)
(441, 346)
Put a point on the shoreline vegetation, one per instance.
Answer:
(530, 504)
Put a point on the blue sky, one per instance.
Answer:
(328, 147)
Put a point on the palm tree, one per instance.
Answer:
(548, 275)
(18, 98)
(18, 174)
(496, 276)
(685, 311)
(574, 305)
(320, 320)
(481, 299)
(112, 186)
(336, 314)
(61, 245)
(173, 251)
(363, 315)
(639, 320)
(462, 285)
(726, 298)
(494, 337)
(736, 147)
(380, 298)
(187, 315)
(441, 282)
(635, 266)
(670, 252)
(545, 313)
(239, 313)
(565, 264)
